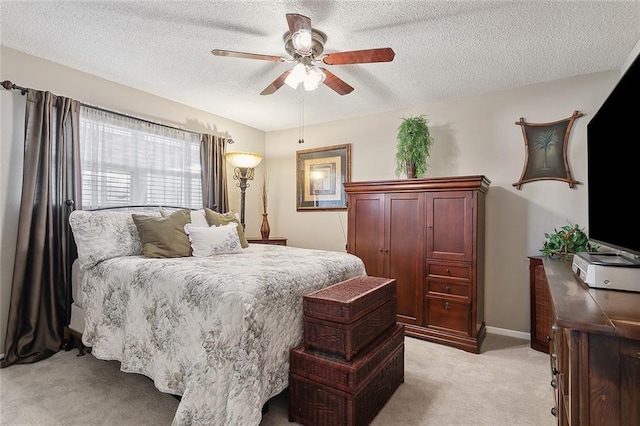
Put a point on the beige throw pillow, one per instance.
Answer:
(198, 218)
(217, 219)
(164, 236)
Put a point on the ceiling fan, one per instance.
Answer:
(305, 45)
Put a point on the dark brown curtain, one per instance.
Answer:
(214, 172)
(40, 293)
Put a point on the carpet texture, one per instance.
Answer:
(508, 383)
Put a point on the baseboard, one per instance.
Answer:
(510, 333)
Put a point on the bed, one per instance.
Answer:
(214, 330)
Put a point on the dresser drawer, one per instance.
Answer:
(448, 287)
(439, 270)
(448, 314)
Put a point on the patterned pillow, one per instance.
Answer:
(101, 235)
(213, 240)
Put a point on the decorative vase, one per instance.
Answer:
(264, 228)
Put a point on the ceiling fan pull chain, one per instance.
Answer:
(301, 140)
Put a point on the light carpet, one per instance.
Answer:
(508, 383)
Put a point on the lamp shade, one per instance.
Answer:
(301, 40)
(310, 75)
(296, 76)
(314, 78)
(243, 159)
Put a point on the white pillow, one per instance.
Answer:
(213, 240)
(198, 218)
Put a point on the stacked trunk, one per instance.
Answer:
(352, 357)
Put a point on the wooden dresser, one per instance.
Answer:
(428, 234)
(595, 350)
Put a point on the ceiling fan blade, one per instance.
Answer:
(300, 33)
(298, 22)
(277, 83)
(336, 83)
(385, 54)
(231, 53)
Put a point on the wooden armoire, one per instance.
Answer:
(428, 234)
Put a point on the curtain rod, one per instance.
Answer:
(8, 85)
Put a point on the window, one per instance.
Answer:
(132, 162)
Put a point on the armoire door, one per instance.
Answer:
(450, 225)
(404, 235)
(366, 231)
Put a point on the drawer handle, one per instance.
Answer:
(448, 271)
(554, 411)
(549, 339)
(554, 384)
(554, 371)
(448, 289)
(554, 328)
(447, 306)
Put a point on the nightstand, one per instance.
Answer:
(276, 241)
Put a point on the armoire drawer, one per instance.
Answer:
(442, 270)
(448, 314)
(448, 287)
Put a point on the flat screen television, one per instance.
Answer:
(613, 168)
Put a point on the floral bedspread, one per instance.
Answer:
(216, 331)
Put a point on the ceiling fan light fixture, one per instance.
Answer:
(310, 76)
(314, 78)
(302, 42)
(296, 76)
(305, 46)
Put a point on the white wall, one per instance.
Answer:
(473, 136)
(635, 52)
(28, 71)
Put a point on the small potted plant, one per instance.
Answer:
(414, 143)
(568, 239)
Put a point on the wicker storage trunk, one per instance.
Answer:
(327, 391)
(344, 318)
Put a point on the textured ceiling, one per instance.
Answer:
(444, 49)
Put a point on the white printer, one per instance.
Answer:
(607, 270)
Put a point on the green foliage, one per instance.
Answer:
(569, 239)
(414, 142)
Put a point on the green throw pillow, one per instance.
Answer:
(217, 219)
(164, 236)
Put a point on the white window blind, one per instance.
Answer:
(132, 162)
